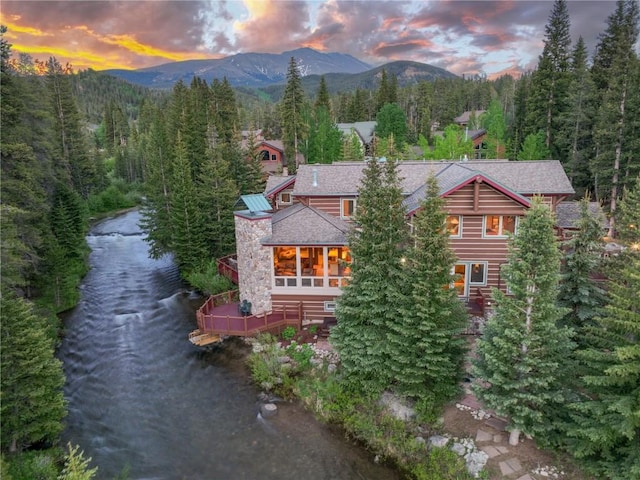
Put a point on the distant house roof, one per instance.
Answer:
(276, 144)
(523, 178)
(568, 214)
(303, 225)
(466, 116)
(276, 183)
(365, 130)
(471, 134)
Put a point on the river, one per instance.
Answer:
(143, 400)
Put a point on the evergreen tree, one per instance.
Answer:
(322, 98)
(550, 82)
(352, 148)
(358, 107)
(426, 347)
(522, 351)
(533, 147)
(324, 143)
(292, 105)
(579, 291)
(369, 303)
(391, 120)
(605, 435)
(186, 219)
(32, 406)
(76, 466)
(218, 194)
(577, 122)
(255, 178)
(387, 91)
(73, 162)
(615, 71)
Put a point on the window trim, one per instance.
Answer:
(281, 201)
(330, 306)
(500, 234)
(485, 273)
(348, 199)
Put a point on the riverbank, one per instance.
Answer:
(465, 427)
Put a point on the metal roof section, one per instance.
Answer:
(255, 203)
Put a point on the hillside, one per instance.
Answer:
(244, 69)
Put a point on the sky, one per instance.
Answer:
(465, 37)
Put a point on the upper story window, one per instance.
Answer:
(314, 267)
(499, 225)
(347, 207)
(454, 225)
(285, 198)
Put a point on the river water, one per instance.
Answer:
(143, 400)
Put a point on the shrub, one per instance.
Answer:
(288, 333)
(34, 465)
(209, 281)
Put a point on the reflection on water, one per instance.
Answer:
(142, 397)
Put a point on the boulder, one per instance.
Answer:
(268, 410)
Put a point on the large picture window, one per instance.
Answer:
(311, 267)
(499, 225)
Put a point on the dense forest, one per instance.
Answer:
(77, 145)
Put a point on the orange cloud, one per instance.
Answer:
(13, 28)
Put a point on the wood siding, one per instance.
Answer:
(330, 205)
(490, 202)
(312, 305)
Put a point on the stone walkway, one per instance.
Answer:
(492, 439)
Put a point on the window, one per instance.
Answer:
(285, 198)
(347, 207)
(477, 274)
(454, 225)
(273, 156)
(329, 306)
(311, 267)
(499, 225)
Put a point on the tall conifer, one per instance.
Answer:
(522, 352)
(291, 112)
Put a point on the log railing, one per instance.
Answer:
(228, 267)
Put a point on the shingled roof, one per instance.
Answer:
(303, 225)
(524, 178)
(568, 214)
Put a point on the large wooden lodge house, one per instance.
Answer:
(292, 242)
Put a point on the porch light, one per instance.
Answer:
(635, 246)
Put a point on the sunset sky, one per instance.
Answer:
(464, 37)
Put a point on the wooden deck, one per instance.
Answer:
(228, 267)
(220, 316)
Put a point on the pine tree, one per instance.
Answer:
(426, 347)
(605, 435)
(577, 123)
(32, 406)
(387, 91)
(533, 147)
(369, 303)
(292, 105)
(522, 351)
(324, 143)
(391, 120)
(452, 145)
(550, 82)
(322, 98)
(578, 290)
(218, 193)
(615, 71)
(186, 219)
(352, 148)
(76, 466)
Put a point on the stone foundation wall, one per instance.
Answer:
(254, 262)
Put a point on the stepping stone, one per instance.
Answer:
(502, 449)
(491, 451)
(497, 439)
(496, 423)
(509, 467)
(525, 477)
(483, 436)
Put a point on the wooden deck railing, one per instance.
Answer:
(220, 315)
(228, 267)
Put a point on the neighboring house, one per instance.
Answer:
(298, 253)
(478, 137)
(568, 217)
(464, 119)
(272, 155)
(364, 131)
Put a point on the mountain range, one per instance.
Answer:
(260, 70)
